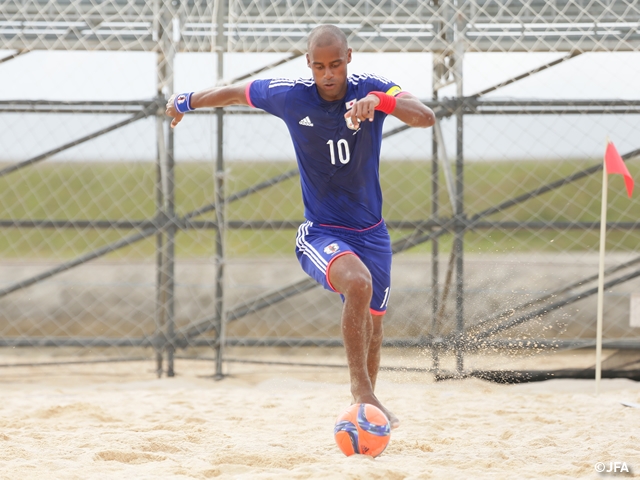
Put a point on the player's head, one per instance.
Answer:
(327, 56)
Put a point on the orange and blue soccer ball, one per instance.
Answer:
(362, 429)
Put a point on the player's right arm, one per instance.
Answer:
(211, 97)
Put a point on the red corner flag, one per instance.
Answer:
(614, 164)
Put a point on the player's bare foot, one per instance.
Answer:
(372, 400)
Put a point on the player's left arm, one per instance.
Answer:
(405, 107)
(412, 111)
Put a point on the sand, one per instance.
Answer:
(108, 421)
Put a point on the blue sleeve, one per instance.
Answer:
(376, 83)
(270, 95)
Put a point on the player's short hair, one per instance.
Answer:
(325, 35)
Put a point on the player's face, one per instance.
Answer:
(329, 67)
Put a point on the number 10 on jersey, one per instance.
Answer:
(343, 151)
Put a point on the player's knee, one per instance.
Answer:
(358, 283)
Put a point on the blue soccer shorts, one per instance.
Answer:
(317, 246)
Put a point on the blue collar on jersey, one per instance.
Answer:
(335, 104)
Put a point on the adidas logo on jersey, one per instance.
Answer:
(306, 121)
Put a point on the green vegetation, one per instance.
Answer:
(84, 191)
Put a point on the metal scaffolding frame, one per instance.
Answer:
(416, 25)
(447, 40)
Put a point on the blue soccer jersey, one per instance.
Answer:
(339, 167)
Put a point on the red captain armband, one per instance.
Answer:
(387, 102)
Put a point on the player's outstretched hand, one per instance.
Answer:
(363, 109)
(172, 112)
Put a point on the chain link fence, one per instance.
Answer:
(123, 239)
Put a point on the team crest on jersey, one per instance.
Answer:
(331, 248)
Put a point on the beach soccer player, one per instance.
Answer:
(335, 121)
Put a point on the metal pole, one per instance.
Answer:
(600, 303)
(458, 242)
(171, 199)
(170, 257)
(220, 319)
(159, 341)
(169, 34)
(161, 87)
(435, 243)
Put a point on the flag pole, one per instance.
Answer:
(603, 234)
